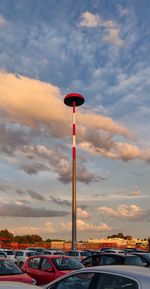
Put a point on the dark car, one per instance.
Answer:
(112, 259)
(131, 250)
(46, 268)
(145, 258)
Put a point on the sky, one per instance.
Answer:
(100, 49)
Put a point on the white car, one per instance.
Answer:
(17, 285)
(10, 254)
(22, 255)
(104, 277)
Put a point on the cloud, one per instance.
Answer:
(40, 108)
(111, 29)
(11, 138)
(24, 230)
(32, 194)
(89, 20)
(42, 104)
(82, 214)
(58, 162)
(60, 201)
(3, 21)
(83, 226)
(135, 193)
(123, 11)
(34, 168)
(114, 150)
(19, 210)
(129, 213)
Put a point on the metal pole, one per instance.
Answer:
(73, 100)
(74, 230)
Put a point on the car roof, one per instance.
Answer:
(122, 254)
(50, 256)
(128, 270)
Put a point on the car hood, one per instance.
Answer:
(64, 272)
(18, 278)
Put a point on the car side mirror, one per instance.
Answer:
(49, 269)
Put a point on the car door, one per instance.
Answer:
(33, 268)
(110, 281)
(110, 259)
(76, 281)
(47, 271)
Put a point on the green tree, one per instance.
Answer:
(6, 234)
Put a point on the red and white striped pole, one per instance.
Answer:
(74, 209)
(74, 99)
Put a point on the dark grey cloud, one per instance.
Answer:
(32, 194)
(60, 201)
(4, 187)
(34, 168)
(12, 137)
(59, 162)
(19, 210)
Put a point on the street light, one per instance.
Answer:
(73, 100)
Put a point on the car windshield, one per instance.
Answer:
(146, 256)
(67, 264)
(85, 254)
(9, 268)
(131, 260)
(9, 252)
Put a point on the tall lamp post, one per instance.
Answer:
(73, 100)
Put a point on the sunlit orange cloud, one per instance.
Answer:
(86, 227)
(32, 102)
(21, 230)
(122, 151)
(82, 213)
(132, 212)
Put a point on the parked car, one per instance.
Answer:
(45, 268)
(130, 250)
(145, 257)
(104, 277)
(111, 250)
(11, 272)
(22, 255)
(112, 259)
(10, 254)
(78, 254)
(38, 250)
(3, 254)
(17, 285)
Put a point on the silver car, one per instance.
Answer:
(105, 277)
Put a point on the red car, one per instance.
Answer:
(10, 272)
(46, 268)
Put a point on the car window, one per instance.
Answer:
(20, 254)
(8, 268)
(78, 281)
(85, 253)
(28, 254)
(109, 281)
(133, 260)
(88, 262)
(2, 254)
(65, 263)
(34, 263)
(45, 264)
(107, 260)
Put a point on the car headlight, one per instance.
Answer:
(33, 281)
